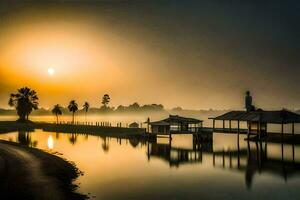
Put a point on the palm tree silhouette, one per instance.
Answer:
(57, 111)
(25, 101)
(86, 107)
(73, 107)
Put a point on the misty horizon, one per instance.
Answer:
(192, 54)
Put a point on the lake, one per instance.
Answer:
(227, 168)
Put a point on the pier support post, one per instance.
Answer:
(223, 125)
(293, 152)
(282, 152)
(223, 156)
(230, 159)
(229, 125)
(293, 129)
(259, 130)
(249, 130)
(214, 124)
(282, 130)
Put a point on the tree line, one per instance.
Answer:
(25, 100)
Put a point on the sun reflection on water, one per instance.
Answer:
(50, 142)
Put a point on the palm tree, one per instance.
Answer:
(25, 101)
(73, 107)
(86, 107)
(57, 111)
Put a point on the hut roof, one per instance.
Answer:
(274, 117)
(134, 124)
(179, 119)
(159, 123)
(175, 119)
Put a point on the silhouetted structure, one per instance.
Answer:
(175, 123)
(134, 125)
(258, 120)
(248, 102)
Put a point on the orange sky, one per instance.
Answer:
(145, 56)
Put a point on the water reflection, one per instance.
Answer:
(255, 155)
(24, 137)
(50, 142)
(73, 138)
(105, 144)
(164, 164)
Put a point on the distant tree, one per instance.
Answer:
(157, 107)
(121, 108)
(177, 109)
(57, 111)
(86, 107)
(152, 107)
(105, 100)
(134, 107)
(73, 107)
(25, 101)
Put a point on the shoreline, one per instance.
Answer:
(30, 173)
(11, 126)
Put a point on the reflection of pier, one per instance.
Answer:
(251, 159)
(256, 160)
(177, 156)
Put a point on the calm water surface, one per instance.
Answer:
(130, 169)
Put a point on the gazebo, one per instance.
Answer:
(175, 123)
(258, 120)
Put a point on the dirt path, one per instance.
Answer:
(23, 174)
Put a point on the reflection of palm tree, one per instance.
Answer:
(57, 111)
(73, 138)
(25, 139)
(73, 107)
(105, 145)
(86, 107)
(25, 100)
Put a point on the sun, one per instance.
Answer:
(51, 71)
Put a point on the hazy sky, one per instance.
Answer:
(195, 54)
